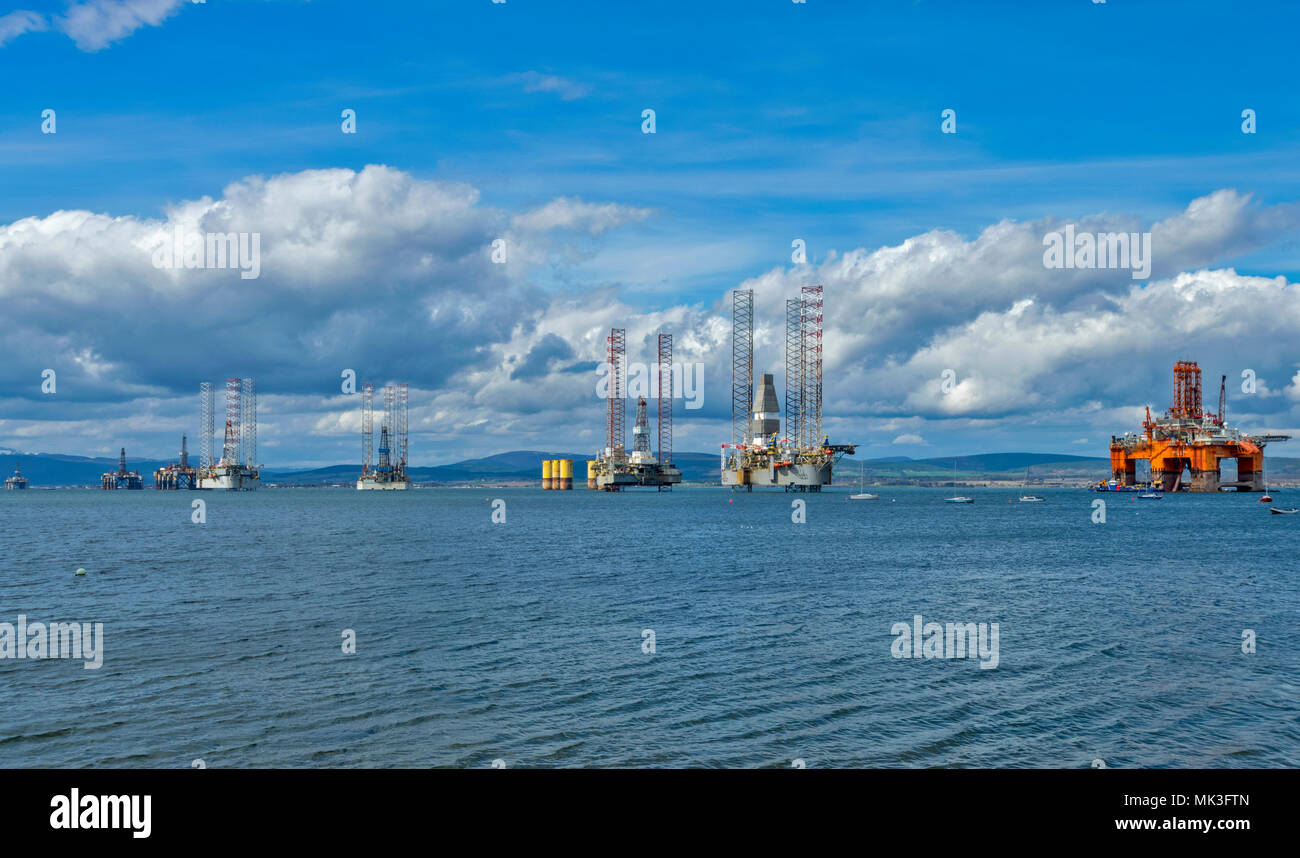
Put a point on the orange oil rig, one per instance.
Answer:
(1188, 438)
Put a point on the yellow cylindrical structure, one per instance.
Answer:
(591, 473)
(546, 474)
(566, 474)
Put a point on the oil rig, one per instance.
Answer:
(759, 455)
(1187, 437)
(613, 469)
(388, 473)
(237, 468)
(121, 478)
(177, 475)
(17, 481)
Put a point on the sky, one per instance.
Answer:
(521, 125)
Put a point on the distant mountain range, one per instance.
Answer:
(525, 467)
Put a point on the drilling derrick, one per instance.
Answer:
(641, 435)
(236, 468)
(230, 449)
(1187, 438)
(613, 469)
(801, 458)
(388, 473)
(385, 459)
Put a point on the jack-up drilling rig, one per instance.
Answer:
(237, 469)
(389, 472)
(758, 455)
(613, 469)
(1188, 438)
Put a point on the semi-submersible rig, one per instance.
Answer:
(759, 454)
(1188, 438)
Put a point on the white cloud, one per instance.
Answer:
(912, 439)
(574, 214)
(92, 24)
(18, 22)
(566, 89)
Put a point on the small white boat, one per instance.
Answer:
(863, 494)
(1279, 511)
(1029, 498)
(1150, 496)
(958, 498)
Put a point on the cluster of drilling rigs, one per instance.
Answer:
(760, 452)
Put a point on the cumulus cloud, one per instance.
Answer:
(910, 438)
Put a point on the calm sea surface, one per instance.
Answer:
(523, 641)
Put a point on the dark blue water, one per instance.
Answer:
(522, 641)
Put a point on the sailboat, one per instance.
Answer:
(1029, 498)
(863, 494)
(957, 498)
(1267, 498)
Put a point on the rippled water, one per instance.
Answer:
(522, 641)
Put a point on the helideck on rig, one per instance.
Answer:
(801, 458)
(1187, 438)
(614, 469)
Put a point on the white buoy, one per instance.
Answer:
(81, 572)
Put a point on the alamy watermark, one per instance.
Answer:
(219, 250)
(641, 381)
(950, 640)
(56, 640)
(1068, 249)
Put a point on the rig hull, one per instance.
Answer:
(229, 479)
(370, 484)
(654, 477)
(798, 477)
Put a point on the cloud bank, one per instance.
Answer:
(394, 276)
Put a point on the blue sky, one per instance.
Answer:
(775, 121)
